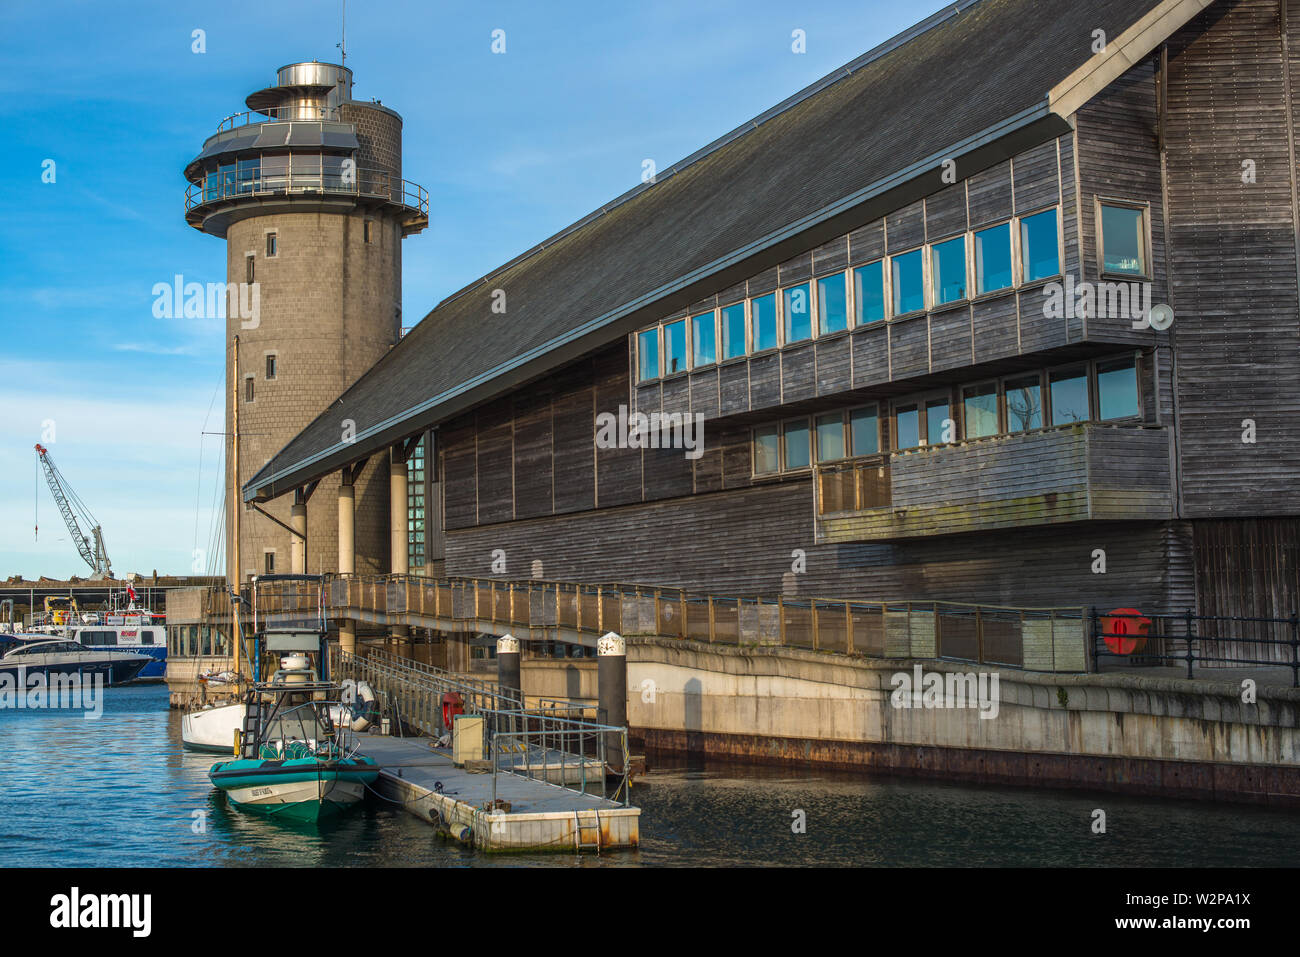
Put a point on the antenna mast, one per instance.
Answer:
(343, 46)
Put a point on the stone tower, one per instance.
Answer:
(307, 190)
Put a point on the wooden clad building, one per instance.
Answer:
(911, 310)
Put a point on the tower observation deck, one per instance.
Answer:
(306, 189)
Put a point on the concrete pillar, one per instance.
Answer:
(397, 513)
(508, 676)
(611, 692)
(298, 541)
(347, 555)
(347, 529)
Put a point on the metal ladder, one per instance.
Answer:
(249, 732)
(593, 826)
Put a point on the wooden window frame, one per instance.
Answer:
(883, 262)
(1094, 388)
(807, 420)
(658, 330)
(745, 347)
(925, 284)
(1012, 232)
(782, 339)
(1049, 420)
(848, 430)
(686, 344)
(1018, 248)
(753, 451)
(999, 411)
(717, 340)
(1143, 207)
(932, 293)
(845, 440)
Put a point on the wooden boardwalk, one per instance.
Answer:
(541, 817)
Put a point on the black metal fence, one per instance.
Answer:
(1188, 639)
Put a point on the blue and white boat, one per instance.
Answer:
(125, 625)
(142, 639)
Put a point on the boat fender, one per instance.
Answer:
(365, 707)
(462, 833)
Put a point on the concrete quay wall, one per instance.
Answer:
(1156, 736)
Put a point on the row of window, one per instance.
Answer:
(196, 640)
(1001, 257)
(1104, 390)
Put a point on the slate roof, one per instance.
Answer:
(971, 73)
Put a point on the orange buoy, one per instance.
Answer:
(1125, 630)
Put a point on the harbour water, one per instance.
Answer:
(120, 792)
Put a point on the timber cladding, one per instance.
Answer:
(1233, 261)
(742, 542)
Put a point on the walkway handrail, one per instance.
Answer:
(1048, 639)
(529, 742)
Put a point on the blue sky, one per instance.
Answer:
(510, 147)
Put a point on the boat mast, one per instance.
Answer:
(237, 636)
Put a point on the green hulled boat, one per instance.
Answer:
(293, 762)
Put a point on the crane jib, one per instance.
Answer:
(70, 507)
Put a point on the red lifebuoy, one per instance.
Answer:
(1125, 630)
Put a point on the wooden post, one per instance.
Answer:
(848, 629)
(812, 605)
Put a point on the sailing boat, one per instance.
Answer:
(212, 727)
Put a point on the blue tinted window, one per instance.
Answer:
(1024, 404)
(798, 312)
(830, 437)
(1069, 394)
(948, 261)
(980, 410)
(993, 259)
(1039, 246)
(939, 425)
(647, 350)
(909, 282)
(832, 304)
(675, 347)
(907, 426)
(869, 293)
(798, 444)
(864, 431)
(1123, 240)
(703, 340)
(763, 315)
(1117, 389)
(733, 331)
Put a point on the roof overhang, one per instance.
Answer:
(1122, 53)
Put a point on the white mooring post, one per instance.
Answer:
(611, 681)
(508, 672)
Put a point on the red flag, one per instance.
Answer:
(130, 592)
